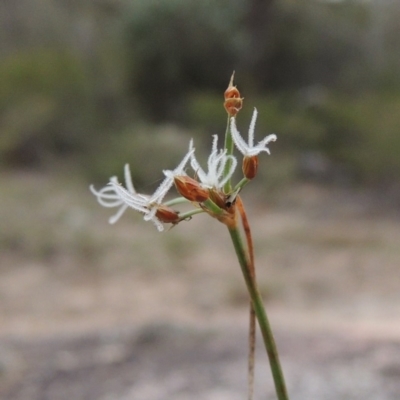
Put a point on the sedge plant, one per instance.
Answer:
(211, 191)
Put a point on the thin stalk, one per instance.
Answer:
(241, 184)
(229, 151)
(268, 338)
(252, 351)
(177, 200)
(252, 314)
(189, 214)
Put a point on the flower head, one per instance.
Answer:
(249, 149)
(216, 176)
(115, 195)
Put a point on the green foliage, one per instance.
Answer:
(205, 109)
(376, 152)
(323, 75)
(44, 104)
(177, 47)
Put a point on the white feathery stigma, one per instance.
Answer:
(249, 149)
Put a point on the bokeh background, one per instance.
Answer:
(92, 311)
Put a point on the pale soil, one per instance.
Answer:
(93, 311)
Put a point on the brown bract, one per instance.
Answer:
(227, 217)
(217, 197)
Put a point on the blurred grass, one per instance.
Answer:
(315, 251)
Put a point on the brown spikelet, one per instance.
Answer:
(233, 102)
(167, 214)
(190, 189)
(250, 166)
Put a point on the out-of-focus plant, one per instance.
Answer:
(44, 105)
(176, 47)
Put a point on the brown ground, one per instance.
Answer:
(92, 311)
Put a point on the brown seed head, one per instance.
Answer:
(233, 102)
(190, 189)
(233, 106)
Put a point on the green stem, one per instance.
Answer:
(177, 200)
(241, 184)
(229, 151)
(188, 214)
(262, 318)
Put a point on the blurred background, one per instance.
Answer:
(87, 86)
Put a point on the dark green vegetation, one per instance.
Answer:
(88, 83)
